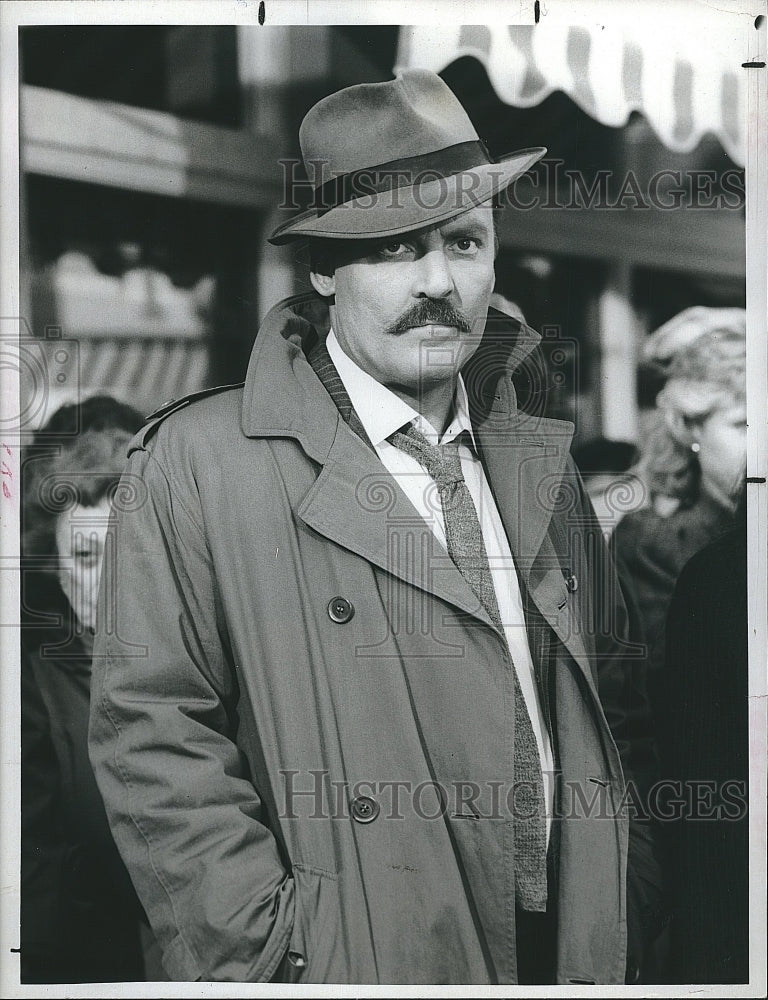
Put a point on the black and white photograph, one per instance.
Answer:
(384, 442)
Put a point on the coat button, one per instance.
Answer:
(340, 610)
(572, 583)
(364, 809)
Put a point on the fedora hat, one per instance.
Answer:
(387, 158)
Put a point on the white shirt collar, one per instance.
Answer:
(381, 412)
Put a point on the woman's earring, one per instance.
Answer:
(695, 447)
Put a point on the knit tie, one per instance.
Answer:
(466, 548)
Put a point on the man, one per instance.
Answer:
(350, 638)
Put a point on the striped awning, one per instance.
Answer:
(142, 371)
(684, 76)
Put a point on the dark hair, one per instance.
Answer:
(77, 457)
(323, 255)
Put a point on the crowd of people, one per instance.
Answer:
(681, 557)
(174, 753)
(682, 563)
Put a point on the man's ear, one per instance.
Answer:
(323, 284)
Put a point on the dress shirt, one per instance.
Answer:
(381, 413)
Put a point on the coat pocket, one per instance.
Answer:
(315, 935)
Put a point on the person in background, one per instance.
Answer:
(703, 741)
(604, 466)
(691, 463)
(80, 917)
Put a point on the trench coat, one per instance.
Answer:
(292, 680)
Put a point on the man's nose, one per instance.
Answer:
(433, 279)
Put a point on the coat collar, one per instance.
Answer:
(284, 398)
(357, 504)
(524, 455)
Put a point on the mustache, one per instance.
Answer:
(428, 311)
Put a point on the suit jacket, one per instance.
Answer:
(285, 646)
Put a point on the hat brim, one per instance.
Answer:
(403, 209)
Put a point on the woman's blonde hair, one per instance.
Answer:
(701, 352)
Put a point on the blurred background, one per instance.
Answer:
(152, 176)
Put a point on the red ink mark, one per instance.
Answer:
(5, 470)
(6, 491)
(7, 449)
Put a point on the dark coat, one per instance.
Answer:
(230, 672)
(651, 551)
(79, 912)
(703, 739)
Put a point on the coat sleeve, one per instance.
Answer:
(187, 819)
(622, 685)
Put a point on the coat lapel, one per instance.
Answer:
(525, 460)
(356, 503)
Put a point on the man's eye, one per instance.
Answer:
(393, 249)
(466, 245)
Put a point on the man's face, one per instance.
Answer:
(410, 309)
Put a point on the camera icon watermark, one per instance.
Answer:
(44, 370)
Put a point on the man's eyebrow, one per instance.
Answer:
(467, 228)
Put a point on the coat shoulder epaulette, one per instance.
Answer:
(153, 421)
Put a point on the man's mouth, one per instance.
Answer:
(435, 330)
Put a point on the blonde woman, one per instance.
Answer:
(691, 461)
